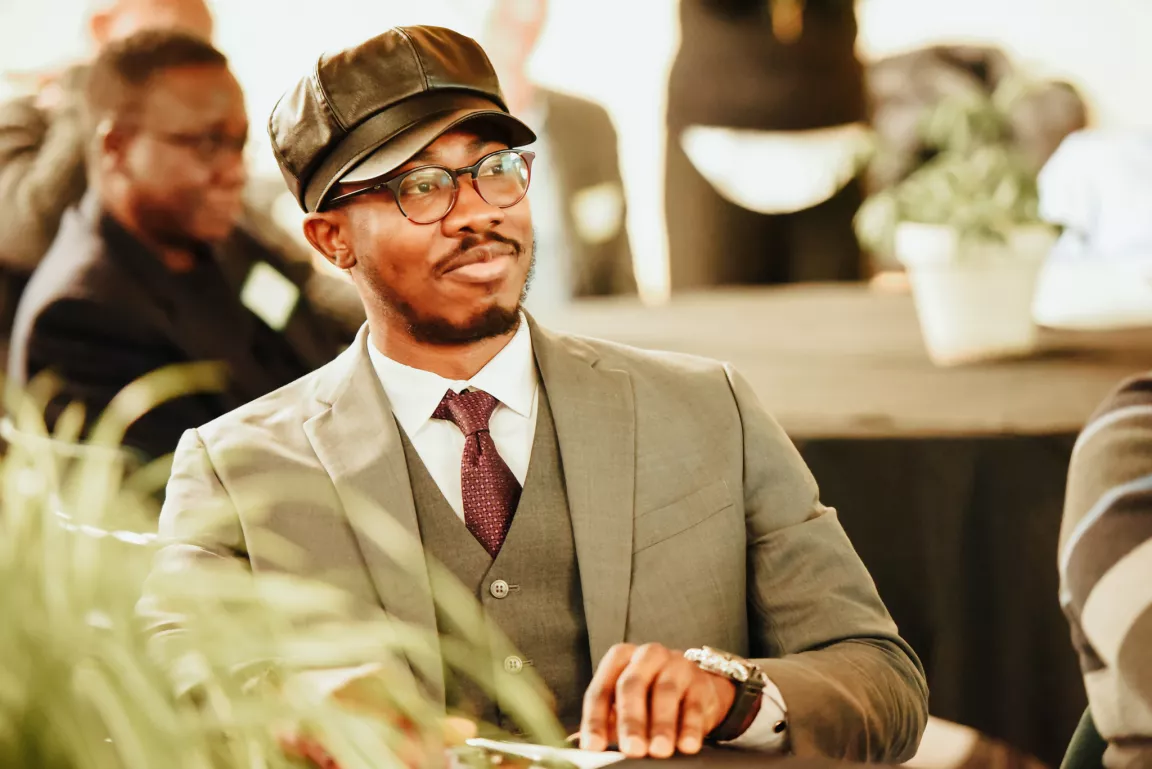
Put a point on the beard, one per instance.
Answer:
(165, 229)
(492, 322)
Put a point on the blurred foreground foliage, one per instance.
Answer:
(84, 684)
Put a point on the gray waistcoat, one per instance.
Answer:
(542, 609)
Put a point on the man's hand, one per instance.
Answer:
(651, 701)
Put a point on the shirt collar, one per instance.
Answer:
(414, 394)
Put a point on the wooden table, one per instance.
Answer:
(848, 362)
(950, 481)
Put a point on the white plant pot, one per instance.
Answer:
(973, 299)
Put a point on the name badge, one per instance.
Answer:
(270, 295)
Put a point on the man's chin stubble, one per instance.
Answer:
(492, 322)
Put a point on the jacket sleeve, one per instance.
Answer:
(200, 529)
(1106, 563)
(852, 687)
(41, 174)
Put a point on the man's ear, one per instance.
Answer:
(110, 144)
(98, 28)
(327, 231)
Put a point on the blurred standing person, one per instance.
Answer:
(150, 269)
(577, 194)
(766, 111)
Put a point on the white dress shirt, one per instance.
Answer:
(511, 378)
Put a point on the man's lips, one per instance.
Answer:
(481, 264)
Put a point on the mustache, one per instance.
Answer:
(445, 263)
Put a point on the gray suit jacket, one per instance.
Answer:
(695, 522)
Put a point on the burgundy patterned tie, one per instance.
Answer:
(490, 489)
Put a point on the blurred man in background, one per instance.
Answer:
(42, 174)
(150, 269)
(577, 193)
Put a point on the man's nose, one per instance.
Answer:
(231, 171)
(472, 212)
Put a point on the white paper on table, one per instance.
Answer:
(584, 759)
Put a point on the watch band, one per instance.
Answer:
(747, 694)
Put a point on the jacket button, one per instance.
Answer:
(498, 589)
(513, 664)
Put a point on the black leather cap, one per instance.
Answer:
(366, 110)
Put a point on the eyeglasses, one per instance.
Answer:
(428, 193)
(207, 146)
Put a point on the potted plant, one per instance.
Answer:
(966, 227)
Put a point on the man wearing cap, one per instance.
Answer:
(635, 522)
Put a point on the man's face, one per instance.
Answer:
(183, 160)
(453, 281)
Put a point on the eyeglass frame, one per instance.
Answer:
(393, 184)
(207, 147)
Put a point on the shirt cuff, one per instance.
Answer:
(769, 730)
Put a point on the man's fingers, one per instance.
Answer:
(458, 730)
(664, 719)
(693, 712)
(594, 733)
(632, 689)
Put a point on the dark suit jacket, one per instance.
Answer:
(583, 144)
(101, 311)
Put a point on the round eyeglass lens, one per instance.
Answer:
(426, 194)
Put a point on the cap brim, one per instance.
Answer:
(400, 150)
(389, 139)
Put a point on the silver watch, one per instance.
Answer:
(736, 669)
(749, 679)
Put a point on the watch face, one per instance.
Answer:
(728, 665)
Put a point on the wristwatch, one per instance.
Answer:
(749, 679)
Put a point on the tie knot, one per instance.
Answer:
(469, 410)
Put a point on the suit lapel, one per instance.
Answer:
(596, 428)
(358, 442)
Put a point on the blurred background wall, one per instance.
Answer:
(618, 52)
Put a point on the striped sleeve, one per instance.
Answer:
(1106, 561)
